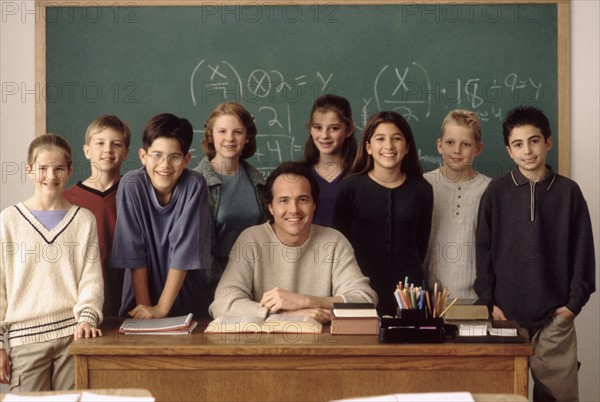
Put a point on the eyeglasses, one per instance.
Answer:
(172, 159)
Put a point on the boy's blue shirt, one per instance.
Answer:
(176, 235)
(535, 250)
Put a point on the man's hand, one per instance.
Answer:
(279, 299)
(5, 370)
(86, 330)
(141, 311)
(320, 314)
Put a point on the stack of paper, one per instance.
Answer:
(484, 328)
(473, 329)
(503, 331)
(182, 325)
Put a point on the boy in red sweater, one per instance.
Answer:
(106, 147)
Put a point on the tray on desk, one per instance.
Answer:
(411, 330)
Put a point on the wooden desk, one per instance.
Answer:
(242, 367)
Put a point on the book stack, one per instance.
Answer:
(472, 320)
(181, 325)
(354, 319)
(475, 324)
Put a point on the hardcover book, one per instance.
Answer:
(354, 319)
(463, 310)
(355, 326)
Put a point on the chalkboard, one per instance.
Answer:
(422, 60)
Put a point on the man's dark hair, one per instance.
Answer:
(288, 170)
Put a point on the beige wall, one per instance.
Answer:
(17, 116)
(585, 169)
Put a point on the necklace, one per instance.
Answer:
(328, 171)
(389, 183)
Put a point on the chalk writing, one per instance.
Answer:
(280, 100)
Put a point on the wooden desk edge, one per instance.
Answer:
(159, 346)
(238, 344)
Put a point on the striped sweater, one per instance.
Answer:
(49, 280)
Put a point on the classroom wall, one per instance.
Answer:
(17, 117)
(585, 169)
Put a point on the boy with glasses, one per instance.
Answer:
(162, 235)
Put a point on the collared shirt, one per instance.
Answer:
(535, 250)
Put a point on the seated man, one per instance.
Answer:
(288, 265)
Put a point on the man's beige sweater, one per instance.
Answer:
(323, 266)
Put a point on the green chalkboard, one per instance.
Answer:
(421, 60)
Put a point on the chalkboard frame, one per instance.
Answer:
(562, 40)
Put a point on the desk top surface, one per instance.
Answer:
(321, 344)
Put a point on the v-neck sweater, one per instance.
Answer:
(50, 280)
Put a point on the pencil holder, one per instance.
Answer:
(413, 315)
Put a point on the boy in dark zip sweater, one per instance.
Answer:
(535, 253)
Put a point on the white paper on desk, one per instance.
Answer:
(186, 331)
(29, 398)
(472, 330)
(503, 331)
(425, 397)
(93, 397)
(156, 324)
